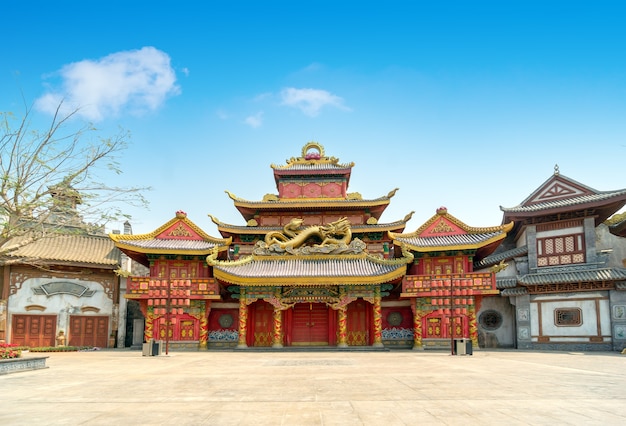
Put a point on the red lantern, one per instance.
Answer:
(470, 301)
(188, 293)
(161, 320)
(464, 311)
(187, 301)
(149, 302)
(446, 311)
(457, 311)
(180, 311)
(188, 283)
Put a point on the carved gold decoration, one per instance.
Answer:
(499, 267)
(252, 223)
(354, 196)
(392, 192)
(441, 227)
(270, 197)
(309, 157)
(337, 232)
(372, 221)
(180, 231)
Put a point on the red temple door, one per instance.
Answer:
(310, 324)
(88, 331)
(262, 316)
(34, 330)
(358, 327)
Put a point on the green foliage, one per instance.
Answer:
(61, 348)
(53, 179)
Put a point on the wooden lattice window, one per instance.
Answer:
(568, 317)
(561, 250)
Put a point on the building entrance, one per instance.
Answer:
(310, 324)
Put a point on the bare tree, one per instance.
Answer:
(50, 179)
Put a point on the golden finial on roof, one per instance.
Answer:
(556, 170)
(442, 211)
(312, 155)
(181, 214)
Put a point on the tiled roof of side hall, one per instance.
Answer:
(173, 244)
(567, 202)
(355, 270)
(502, 283)
(568, 276)
(497, 258)
(518, 291)
(448, 240)
(84, 249)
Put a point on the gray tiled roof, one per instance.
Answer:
(450, 240)
(566, 202)
(620, 286)
(518, 291)
(354, 267)
(494, 259)
(502, 283)
(170, 244)
(592, 275)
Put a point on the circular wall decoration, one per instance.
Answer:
(490, 320)
(394, 318)
(225, 320)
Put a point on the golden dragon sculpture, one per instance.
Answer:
(337, 232)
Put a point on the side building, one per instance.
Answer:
(556, 270)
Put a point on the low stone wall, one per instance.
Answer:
(16, 365)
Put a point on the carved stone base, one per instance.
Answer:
(17, 365)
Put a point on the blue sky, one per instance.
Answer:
(467, 105)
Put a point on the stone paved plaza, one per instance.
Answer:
(319, 388)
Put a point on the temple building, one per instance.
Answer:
(313, 266)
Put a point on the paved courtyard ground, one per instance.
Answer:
(122, 387)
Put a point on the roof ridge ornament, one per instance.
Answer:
(556, 170)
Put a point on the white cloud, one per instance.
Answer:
(134, 80)
(255, 120)
(310, 101)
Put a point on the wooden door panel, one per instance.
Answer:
(263, 317)
(357, 333)
(310, 324)
(88, 331)
(34, 330)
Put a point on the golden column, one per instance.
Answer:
(473, 328)
(278, 325)
(204, 325)
(243, 319)
(342, 327)
(417, 326)
(378, 320)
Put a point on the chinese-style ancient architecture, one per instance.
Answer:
(313, 266)
(565, 276)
